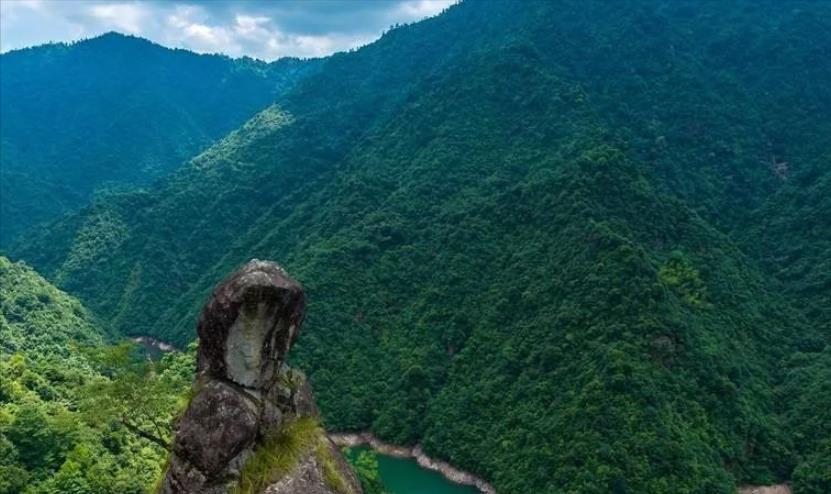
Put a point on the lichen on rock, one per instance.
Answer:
(247, 403)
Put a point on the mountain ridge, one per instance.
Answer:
(80, 117)
(540, 234)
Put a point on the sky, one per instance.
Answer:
(264, 29)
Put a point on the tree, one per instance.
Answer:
(366, 467)
(143, 395)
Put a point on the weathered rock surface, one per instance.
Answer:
(244, 394)
(247, 327)
(220, 422)
(307, 476)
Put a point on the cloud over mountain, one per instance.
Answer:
(260, 29)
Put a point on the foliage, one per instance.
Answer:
(143, 395)
(82, 118)
(808, 390)
(678, 274)
(66, 397)
(279, 454)
(325, 454)
(553, 243)
(365, 465)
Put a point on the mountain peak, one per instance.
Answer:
(118, 37)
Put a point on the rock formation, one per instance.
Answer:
(251, 425)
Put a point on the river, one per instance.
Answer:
(154, 348)
(405, 476)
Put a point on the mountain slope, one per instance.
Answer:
(791, 235)
(48, 442)
(35, 314)
(81, 116)
(527, 239)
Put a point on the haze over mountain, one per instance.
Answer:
(114, 111)
(573, 246)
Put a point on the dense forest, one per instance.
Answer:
(79, 414)
(572, 246)
(70, 404)
(80, 117)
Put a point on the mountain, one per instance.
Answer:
(568, 246)
(55, 436)
(35, 314)
(115, 111)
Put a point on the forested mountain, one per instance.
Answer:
(115, 111)
(62, 396)
(573, 246)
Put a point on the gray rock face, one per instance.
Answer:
(306, 476)
(244, 393)
(220, 422)
(249, 324)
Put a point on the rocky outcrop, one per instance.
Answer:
(305, 476)
(251, 425)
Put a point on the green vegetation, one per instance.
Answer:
(81, 118)
(75, 414)
(808, 391)
(365, 465)
(577, 246)
(678, 274)
(279, 455)
(332, 475)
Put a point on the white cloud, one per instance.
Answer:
(416, 10)
(187, 27)
(127, 17)
(254, 35)
(28, 22)
(12, 8)
(206, 36)
(317, 45)
(258, 28)
(251, 27)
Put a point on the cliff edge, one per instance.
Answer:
(252, 425)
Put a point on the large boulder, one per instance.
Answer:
(248, 326)
(246, 397)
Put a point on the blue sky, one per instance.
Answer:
(265, 29)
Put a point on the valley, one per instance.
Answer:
(563, 246)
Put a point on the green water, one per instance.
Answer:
(404, 476)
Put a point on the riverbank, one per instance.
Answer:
(447, 470)
(765, 489)
(153, 344)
